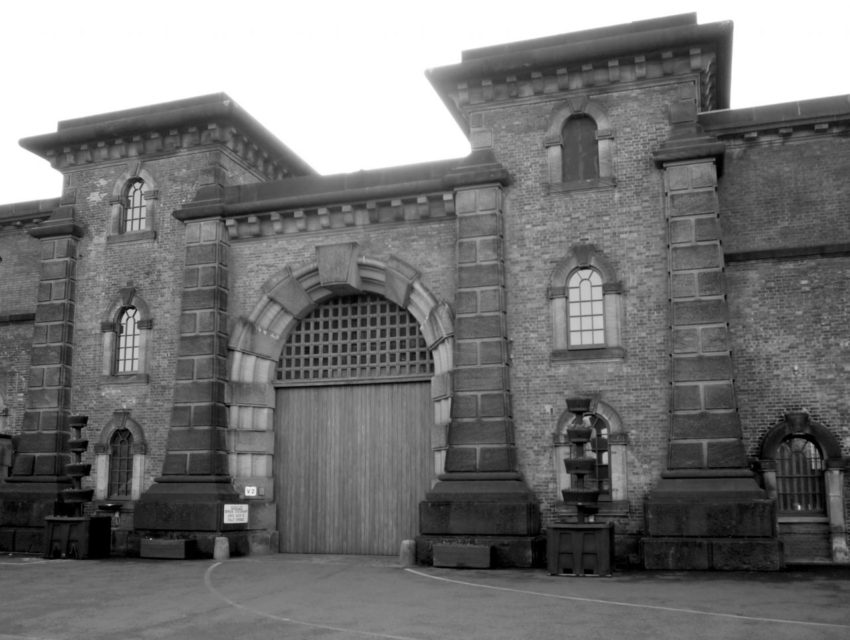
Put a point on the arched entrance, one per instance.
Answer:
(263, 402)
(353, 428)
(804, 472)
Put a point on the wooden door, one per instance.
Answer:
(353, 464)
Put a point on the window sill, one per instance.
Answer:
(578, 355)
(126, 378)
(132, 236)
(607, 508)
(580, 185)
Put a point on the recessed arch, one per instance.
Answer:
(289, 295)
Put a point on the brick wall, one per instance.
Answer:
(627, 224)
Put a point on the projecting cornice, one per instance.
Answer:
(638, 51)
(806, 117)
(213, 120)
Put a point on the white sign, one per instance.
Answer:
(235, 514)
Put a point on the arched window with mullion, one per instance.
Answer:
(121, 464)
(134, 217)
(800, 477)
(127, 352)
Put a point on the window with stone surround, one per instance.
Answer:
(586, 308)
(607, 445)
(125, 328)
(133, 206)
(579, 144)
(120, 458)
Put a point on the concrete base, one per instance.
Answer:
(505, 551)
(462, 556)
(711, 519)
(720, 554)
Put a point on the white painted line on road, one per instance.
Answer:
(219, 594)
(732, 616)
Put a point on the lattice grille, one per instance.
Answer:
(355, 338)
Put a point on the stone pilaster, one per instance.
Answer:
(481, 499)
(37, 478)
(195, 480)
(707, 512)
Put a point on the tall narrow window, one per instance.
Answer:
(121, 464)
(129, 340)
(599, 449)
(135, 211)
(800, 477)
(581, 153)
(586, 309)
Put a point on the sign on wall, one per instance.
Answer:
(236, 514)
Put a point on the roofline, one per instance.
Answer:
(616, 41)
(215, 106)
(774, 115)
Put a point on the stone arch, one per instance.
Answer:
(289, 296)
(800, 424)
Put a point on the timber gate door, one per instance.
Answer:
(353, 429)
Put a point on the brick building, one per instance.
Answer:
(410, 352)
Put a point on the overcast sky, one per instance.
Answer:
(342, 82)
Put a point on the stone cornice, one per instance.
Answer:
(213, 120)
(577, 62)
(421, 208)
(818, 116)
(24, 214)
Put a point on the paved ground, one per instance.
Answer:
(346, 597)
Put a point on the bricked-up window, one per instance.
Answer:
(581, 154)
(586, 309)
(134, 217)
(800, 477)
(128, 345)
(355, 339)
(120, 464)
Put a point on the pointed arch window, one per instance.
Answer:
(128, 346)
(120, 464)
(126, 328)
(133, 208)
(134, 217)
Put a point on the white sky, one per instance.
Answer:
(342, 82)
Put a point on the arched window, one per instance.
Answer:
(585, 301)
(580, 151)
(579, 142)
(126, 328)
(120, 459)
(134, 217)
(128, 345)
(132, 210)
(586, 327)
(121, 464)
(800, 477)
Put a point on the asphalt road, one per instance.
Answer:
(351, 597)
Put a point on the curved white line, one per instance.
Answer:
(731, 616)
(219, 594)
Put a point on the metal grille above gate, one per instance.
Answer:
(354, 339)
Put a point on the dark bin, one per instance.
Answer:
(580, 549)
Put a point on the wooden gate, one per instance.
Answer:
(353, 429)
